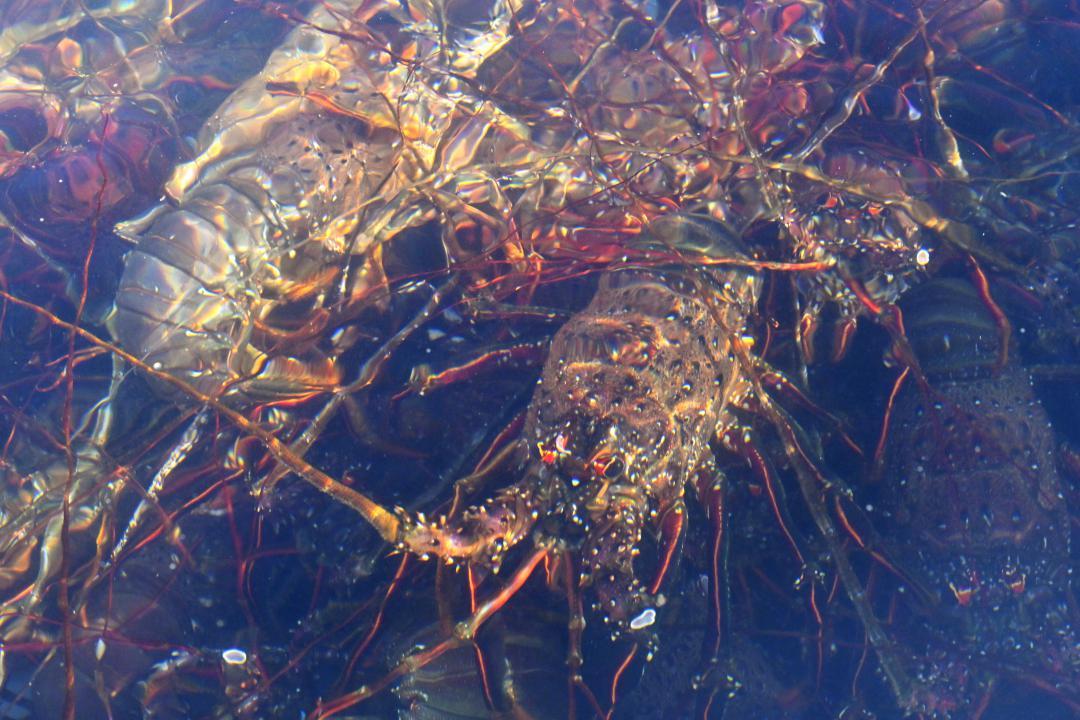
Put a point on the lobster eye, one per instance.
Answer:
(614, 468)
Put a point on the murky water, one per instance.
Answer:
(494, 358)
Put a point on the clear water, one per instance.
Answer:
(279, 279)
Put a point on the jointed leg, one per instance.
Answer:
(464, 633)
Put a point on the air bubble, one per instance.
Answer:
(234, 656)
(644, 620)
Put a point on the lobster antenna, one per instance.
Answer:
(385, 522)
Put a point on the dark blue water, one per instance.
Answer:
(278, 282)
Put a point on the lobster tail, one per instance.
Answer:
(951, 330)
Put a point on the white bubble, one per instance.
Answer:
(234, 656)
(644, 620)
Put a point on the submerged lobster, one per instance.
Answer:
(974, 497)
(522, 133)
(635, 388)
(638, 390)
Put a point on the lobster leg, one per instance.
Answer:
(367, 375)
(626, 661)
(359, 420)
(814, 488)
(384, 521)
(424, 379)
(982, 286)
(482, 533)
(740, 442)
(464, 633)
(712, 493)
(466, 486)
(865, 537)
(672, 525)
(576, 627)
(777, 381)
